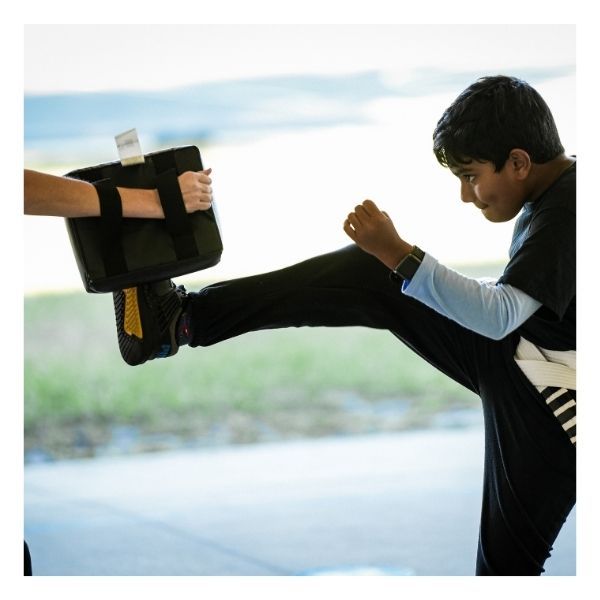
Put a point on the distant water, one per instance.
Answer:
(61, 126)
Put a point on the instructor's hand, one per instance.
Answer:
(373, 231)
(196, 190)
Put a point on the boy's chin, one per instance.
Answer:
(495, 217)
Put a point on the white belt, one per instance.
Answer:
(547, 368)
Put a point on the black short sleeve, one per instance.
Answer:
(543, 263)
(544, 266)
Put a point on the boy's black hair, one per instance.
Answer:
(490, 118)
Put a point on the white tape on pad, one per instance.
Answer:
(130, 151)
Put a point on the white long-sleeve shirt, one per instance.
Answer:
(482, 305)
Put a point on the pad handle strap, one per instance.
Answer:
(111, 222)
(177, 219)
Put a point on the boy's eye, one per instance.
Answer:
(468, 177)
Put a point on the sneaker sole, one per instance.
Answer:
(129, 326)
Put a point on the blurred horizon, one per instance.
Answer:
(61, 125)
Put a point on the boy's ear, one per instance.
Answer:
(519, 163)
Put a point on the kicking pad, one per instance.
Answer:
(115, 253)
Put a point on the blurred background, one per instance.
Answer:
(299, 124)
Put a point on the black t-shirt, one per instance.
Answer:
(542, 263)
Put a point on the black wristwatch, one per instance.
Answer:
(408, 266)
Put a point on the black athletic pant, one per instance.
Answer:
(529, 473)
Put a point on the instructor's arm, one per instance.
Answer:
(63, 197)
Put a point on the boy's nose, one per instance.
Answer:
(466, 193)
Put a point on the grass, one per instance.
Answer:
(286, 383)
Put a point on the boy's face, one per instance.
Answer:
(498, 195)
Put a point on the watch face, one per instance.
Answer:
(408, 267)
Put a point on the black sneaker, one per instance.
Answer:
(147, 320)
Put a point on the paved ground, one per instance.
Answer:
(398, 504)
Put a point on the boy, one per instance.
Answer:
(512, 341)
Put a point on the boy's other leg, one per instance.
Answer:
(529, 474)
